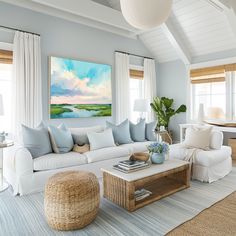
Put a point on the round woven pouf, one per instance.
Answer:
(71, 200)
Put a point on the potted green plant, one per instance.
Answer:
(157, 151)
(163, 108)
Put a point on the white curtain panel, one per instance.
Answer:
(27, 81)
(122, 87)
(150, 87)
(230, 77)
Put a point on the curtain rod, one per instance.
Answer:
(14, 29)
(134, 55)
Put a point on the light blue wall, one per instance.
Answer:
(68, 39)
(172, 82)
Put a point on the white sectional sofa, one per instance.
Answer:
(28, 175)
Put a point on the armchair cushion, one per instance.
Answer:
(202, 158)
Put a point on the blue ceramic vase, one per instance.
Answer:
(157, 158)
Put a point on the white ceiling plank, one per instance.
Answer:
(229, 9)
(176, 42)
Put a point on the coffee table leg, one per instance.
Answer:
(130, 199)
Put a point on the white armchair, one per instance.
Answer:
(208, 166)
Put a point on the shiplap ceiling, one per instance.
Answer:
(201, 26)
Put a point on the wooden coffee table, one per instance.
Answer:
(162, 180)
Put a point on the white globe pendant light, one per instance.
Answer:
(145, 14)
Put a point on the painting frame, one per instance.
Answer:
(84, 61)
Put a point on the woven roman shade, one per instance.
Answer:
(6, 56)
(211, 74)
(136, 74)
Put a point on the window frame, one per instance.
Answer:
(140, 85)
(7, 47)
(189, 92)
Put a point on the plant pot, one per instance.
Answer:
(157, 158)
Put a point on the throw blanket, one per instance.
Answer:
(190, 156)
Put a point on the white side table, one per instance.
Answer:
(7, 143)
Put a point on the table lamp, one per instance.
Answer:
(141, 105)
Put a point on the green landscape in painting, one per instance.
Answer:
(79, 110)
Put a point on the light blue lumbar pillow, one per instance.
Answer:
(121, 132)
(137, 131)
(150, 134)
(37, 140)
(101, 140)
(61, 138)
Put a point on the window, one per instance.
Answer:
(6, 88)
(136, 91)
(214, 88)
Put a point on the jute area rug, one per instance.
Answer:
(218, 220)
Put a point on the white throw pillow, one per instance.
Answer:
(196, 137)
(101, 140)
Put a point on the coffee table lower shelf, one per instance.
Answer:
(122, 192)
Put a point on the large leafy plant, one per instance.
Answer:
(163, 108)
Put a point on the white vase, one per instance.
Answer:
(201, 114)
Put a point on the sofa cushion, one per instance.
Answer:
(137, 131)
(121, 132)
(137, 146)
(98, 140)
(203, 158)
(55, 161)
(80, 134)
(36, 140)
(61, 138)
(106, 153)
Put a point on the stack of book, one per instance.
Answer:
(141, 194)
(128, 166)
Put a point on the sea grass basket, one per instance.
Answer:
(71, 200)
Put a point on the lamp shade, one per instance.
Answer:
(1, 106)
(145, 14)
(141, 105)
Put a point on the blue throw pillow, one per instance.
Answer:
(37, 140)
(137, 131)
(150, 135)
(121, 132)
(61, 139)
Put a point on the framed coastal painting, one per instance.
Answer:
(79, 89)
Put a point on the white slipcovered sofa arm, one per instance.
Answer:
(18, 160)
(23, 162)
